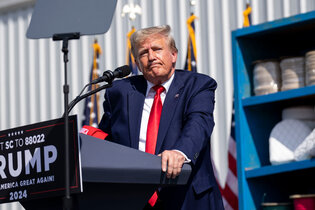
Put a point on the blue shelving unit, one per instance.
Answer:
(255, 116)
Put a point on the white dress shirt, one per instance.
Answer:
(148, 102)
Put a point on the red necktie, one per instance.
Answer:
(154, 120)
(153, 128)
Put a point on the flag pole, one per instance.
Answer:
(191, 57)
(132, 10)
(91, 109)
(192, 6)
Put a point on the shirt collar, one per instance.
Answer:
(166, 84)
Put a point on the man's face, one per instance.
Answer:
(155, 59)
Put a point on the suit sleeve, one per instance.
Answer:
(105, 124)
(198, 120)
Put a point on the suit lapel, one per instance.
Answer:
(169, 107)
(135, 106)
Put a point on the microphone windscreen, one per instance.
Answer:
(124, 71)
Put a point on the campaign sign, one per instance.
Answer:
(32, 161)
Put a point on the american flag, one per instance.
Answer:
(191, 58)
(230, 190)
(91, 107)
(130, 59)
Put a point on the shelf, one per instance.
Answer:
(256, 116)
(280, 96)
(276, 169)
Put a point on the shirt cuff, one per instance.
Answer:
(187, 160)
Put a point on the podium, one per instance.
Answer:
(114, 177)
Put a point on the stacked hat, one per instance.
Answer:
(310, 68)
(266, 77)
(288, 139)
(284, 138)
(293, 72)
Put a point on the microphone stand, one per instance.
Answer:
(67, 202)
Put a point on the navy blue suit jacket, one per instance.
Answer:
(186, 125)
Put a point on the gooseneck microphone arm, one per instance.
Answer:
(79, 98)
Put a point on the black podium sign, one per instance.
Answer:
(32, 161)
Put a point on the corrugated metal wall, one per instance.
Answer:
(32, 71)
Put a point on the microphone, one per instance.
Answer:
(109, 76)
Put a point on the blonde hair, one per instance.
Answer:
(140, 35)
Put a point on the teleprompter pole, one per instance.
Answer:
(67, 202)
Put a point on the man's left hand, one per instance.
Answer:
(172, 161)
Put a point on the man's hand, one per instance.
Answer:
(173, 161)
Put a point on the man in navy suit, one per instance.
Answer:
(186, 119)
